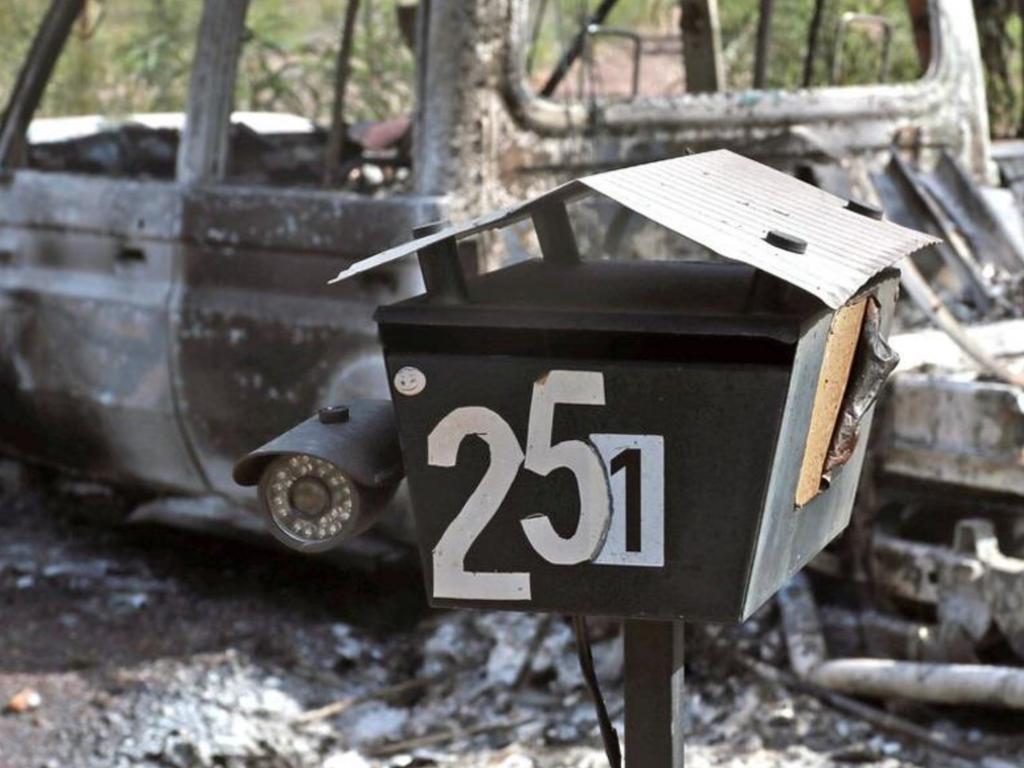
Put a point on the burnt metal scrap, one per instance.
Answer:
(949, 488)
(267, 148)
(965, 432)
(934, 682)
(975, 588)
(939, 554)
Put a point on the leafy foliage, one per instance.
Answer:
(134, 55)
(290, 53)
(791, 21)
(128, 56)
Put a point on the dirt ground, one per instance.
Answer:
(146, 646)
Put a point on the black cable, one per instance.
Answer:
(576, 47)
(608, 733)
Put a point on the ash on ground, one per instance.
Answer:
(144, 646)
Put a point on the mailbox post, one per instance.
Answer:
(654, 680)
(648, 440)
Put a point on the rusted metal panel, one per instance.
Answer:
(955, 430)
(203, 152)
(974, 217)
(261, 342)
(974, 585)
(169, 343)
(346, 225)
(84, 347)
(121, 208)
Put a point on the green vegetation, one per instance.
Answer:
(739, 18)
(125, 57)
(861, 53)
(130, 56)
(17, 25)
(290, 54)
(134, 55)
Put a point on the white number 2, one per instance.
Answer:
(451, 579)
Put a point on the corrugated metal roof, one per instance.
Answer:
(728, 204)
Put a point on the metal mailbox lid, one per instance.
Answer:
(674, 298)
(729, 204)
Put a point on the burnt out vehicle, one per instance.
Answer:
(164, 305)
(164, 274)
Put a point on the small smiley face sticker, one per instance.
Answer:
(410, 381)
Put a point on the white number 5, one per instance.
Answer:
(582, 459)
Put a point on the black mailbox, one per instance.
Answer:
(644, 439)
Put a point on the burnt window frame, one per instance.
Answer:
(38, 67)
(726, 108)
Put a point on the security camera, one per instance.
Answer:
(329, 478)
